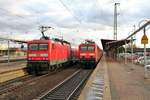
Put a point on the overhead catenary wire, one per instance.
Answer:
(97, 6)
(76, 17)
(67, 8)
(8, 14)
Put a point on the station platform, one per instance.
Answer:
(12, 70)
(97, 87)
(4, 59)
(114, 80)
(5, 67)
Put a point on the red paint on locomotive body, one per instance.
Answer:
(35, 54)
(84, 53)
(89, 53)
(51, 51)
(43, 55)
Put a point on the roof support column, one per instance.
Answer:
(125, 52)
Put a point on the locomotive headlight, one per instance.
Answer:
(82, 54)
(91, 54)
(33, 55)
(44, 55)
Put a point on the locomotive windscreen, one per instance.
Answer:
(33, 47)
(43, 46)
(90, 48)
(83, 48)
(87, 48)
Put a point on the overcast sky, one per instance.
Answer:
(74, 19)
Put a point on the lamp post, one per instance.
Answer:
(145, 67)
(8, 51)
(144, 41)
(132, 42)
(132, 46)
(125, 52)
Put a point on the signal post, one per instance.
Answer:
(144, 41)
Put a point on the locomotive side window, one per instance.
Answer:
(83, 48)
(43, 46)
(33, 46)
(90, 48)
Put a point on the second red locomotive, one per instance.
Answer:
(89, 54)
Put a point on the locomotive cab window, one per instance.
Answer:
(43, 46)
(33, 46)
(90, 48)
(83, 48)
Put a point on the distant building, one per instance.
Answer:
(12, 51)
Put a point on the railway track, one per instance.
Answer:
(17, 83)
(14, 84)
(69, 88)
(21, 82)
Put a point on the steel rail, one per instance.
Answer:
(40, 97)
(77, 87)
(66, 89)
(22, 80)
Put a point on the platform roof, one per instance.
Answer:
(13, 40)
(108, 44)
(104, 41)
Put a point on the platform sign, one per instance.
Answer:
(144, 39)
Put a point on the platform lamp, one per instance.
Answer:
(144, 42)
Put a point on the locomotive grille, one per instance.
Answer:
(40, 66)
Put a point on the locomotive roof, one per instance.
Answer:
(43, 41)
(87, 44)
(39, 41)
(61, 40)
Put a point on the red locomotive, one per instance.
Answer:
(89, 54)
(45, 55)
